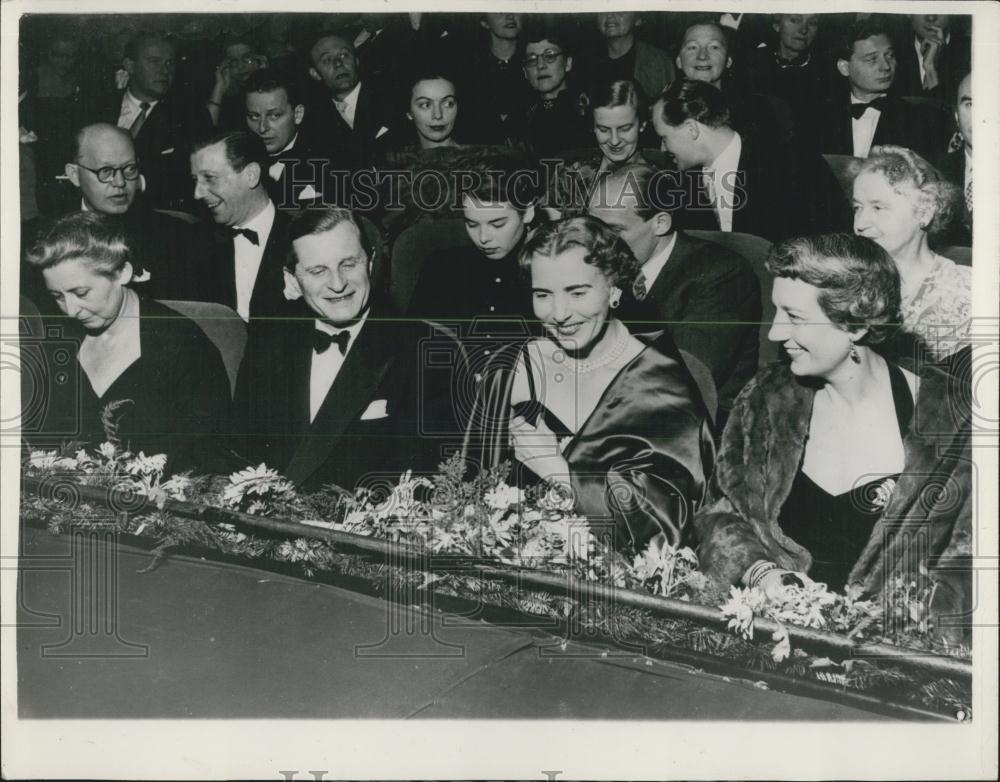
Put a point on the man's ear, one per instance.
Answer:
(298, 114)
(72, 173)
(125, 275)
(843, 67)
(729, 63)
(677, 63)
(252, 173)
(693, 128)
(293, 290)
(129, 65)
(569, 64)
(529, 214)
(314, 74)
(662, 223)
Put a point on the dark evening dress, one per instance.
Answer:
(640, 462)
(835, 529)
(178, 394)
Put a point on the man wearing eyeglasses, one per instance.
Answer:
(357, 117)
(106, 171)
(557, 120)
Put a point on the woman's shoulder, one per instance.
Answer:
(952, 276)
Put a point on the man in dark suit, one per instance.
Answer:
(868, 115)
(162, 123)
(340, 397)
(274, 111)
(741, 182)
(355, 118)
(932, 59)
(956, 165)
(166, 250)
(249, 247)
(623, 57)
(705, 295)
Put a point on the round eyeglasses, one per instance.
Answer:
(549, 56)
(129, 171)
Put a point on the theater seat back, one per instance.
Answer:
(845, 168)
(222, 326)
(755, 250)
(414, 250)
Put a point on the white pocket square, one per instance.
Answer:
(167, 151)
(308, 192)
(145, 276)
(382, 131)
(375, 410)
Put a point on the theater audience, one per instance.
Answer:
(932, 58)
(867, 114)
(356, 116)
(273, 110)
(747, 185)
(163, 122)
(337, 396)
(166, 250)
(156, 367)
(614, 418)
(706, 296)
(623, 57)
(433, 109)
(788, 66)
(956, 164)
(901, 202)
(825, 456)
(249, 246)
(557, 117)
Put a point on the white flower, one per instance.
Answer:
(148, 466)
(783, 647)
(260, 481)
(502, 497)
(883, 493)
(50, 460)
(107, 450)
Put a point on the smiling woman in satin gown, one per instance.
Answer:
(613, 418)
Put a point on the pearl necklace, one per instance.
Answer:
(582, 366)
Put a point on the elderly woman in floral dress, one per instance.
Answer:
(900, 202)
(840, 466)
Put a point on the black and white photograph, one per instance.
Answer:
(398, 391)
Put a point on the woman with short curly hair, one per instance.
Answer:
(839, 466)
(614, 418)
(900, 202)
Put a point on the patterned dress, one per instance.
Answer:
(939, 312)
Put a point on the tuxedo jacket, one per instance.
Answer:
(376, 118)
(952, 167)
(163, 146)
(924, 129)
(303, 180)
(784, 190)
(708, 298)
(373, 423)
(216, 281)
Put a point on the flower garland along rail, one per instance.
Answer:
(485, 519)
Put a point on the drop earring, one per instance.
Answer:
(855, 356)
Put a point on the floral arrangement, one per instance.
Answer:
(485, 518)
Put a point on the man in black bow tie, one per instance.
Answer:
(344, 396)
(245, 273)
(869, 115)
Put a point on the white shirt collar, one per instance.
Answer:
(138, 103)
(651, 269)
(261, 222)
(729, 158)
(354, 328)
(856, 99)
(351, 99)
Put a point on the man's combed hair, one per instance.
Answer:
(92, 237)
(861, 30)
(242, 149)
(318, 221)
(930, 192)
(271, 80)
(698, 100)
(857, 280)
(605, 249)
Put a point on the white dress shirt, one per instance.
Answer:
(349, 105)
(324, 367)
(130, 110)
(248, 256)
(651, 269)
(863, 129)
(722, 181)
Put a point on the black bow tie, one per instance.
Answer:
(857, 109)
(323, 339)
(248, 233)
